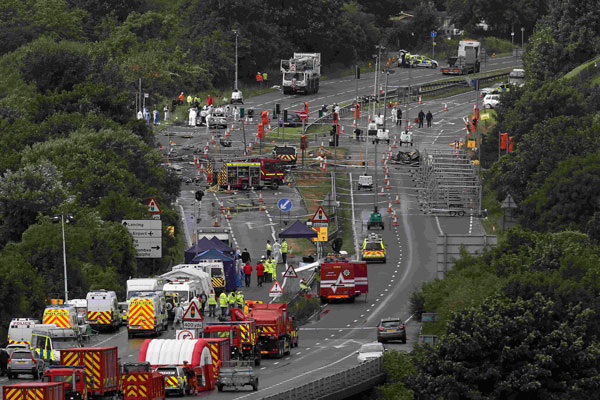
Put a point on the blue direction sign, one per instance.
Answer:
(433, 33)
(284, 204)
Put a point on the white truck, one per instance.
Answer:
(301, 73)
(19, 330)
(143, 285)
(466, 61)
(222, 233)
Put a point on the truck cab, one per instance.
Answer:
(74, 379)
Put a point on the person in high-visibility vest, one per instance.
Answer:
(284, 251)
(212, 304)
(223, 303)
(269, 248)
(303, 286)
(232, 299)
(240, 300)
(269, 270)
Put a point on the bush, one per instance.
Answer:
(495, 45)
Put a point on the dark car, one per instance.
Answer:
(391, 329)
(293, 120)
(25, 362)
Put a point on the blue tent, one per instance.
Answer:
(231, 278)
(202, 245)
(220, 245)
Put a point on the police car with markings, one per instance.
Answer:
(423, 61)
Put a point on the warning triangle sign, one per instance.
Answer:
(320, 216)
(290, 272)
(153, 206)
(192, 313)
(276, 288)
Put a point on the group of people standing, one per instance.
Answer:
(266, 268)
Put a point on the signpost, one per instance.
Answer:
(185, 334)
(153, 206)
(147, 236)
(320, 219)
(192, 318)
(284, 205)
(290, 272)
(276, 290)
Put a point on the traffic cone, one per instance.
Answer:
(216, 222)
(291, 253)
(354, 123)
(212, 139)
(245, 121)
(324, 163)
(270, 130)
(420, 102)
(321, 149)
(390, 207)
(395, 220)
(260, 199)
(382, 193)
(394, 146)
(228, 214)
(167, 160)
(494, 228)
(250, 147)
(342, 128)
(445, 107)
(408, 126)
(387, 186)
(397, 200)
(222, 209)
(228, 190)
(385, 180)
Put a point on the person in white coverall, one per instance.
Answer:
(192, 116)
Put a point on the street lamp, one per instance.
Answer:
(522, 30)
(55, 219)
(235, 85)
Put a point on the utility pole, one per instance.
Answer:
(235, 84)
(522, 31)
(62, 221)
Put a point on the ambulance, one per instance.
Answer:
(147, 314)
(63, 316)
(103, 310)
(19, 330)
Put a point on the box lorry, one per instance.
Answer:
(255, 173)
(466, 61)
(343, 279)
(141, 383)
(96, 371)
(243, 337)
(34, 391)
(273, 325)
(143, 285)
(301, 73)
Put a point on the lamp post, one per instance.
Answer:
(64, 246)
(235, 84)
(522, 31)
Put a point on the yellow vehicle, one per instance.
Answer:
(373, 249)
(49, 340)
(147, 314)
(63, 316)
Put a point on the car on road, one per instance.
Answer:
(370, 351)
(423, 62)
(175, 380)
(16, 346)
(504, 87)
(217, 120)
(491, 101)
(25, 362)
(294, 119)
(491, 89)
(373, 249)
(391, 329)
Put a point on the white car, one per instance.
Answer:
(491, 101)
(370, 351)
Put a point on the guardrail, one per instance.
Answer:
(342, 384)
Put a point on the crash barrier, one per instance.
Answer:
(340, 385)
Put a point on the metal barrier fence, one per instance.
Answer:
(350, 380)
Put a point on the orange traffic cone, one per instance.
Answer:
(260, 199)
(342, 128)
(228, 215)
(397, 200)
(390, 207)
(228, 190)
(222, 209)
(382, 193)
(420, 102)
(445, 107)
(212, 139)
(394, 146)
(494, 228)
(395, 220)
(291, 253)
(216, 222)
(387, 186)
(250, 146)
(270, 130)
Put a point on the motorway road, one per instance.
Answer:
(330, 343)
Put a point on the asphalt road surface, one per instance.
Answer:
(330, 344)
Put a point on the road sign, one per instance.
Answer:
(183, 334)
(193, 325)
(276, 289)
(284, 204)
(508, 202)
(433, 33)
(153, 206)
(290, 272)
(485, 116)
(192, 313)
(320, 216)
(147, 236)
(323, 234)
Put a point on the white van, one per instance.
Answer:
(517, 77)
(214, 268)
(48, 341)
(81, 307)
(143, 285)
(103, 309)
(19, 330)
(186, 291)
